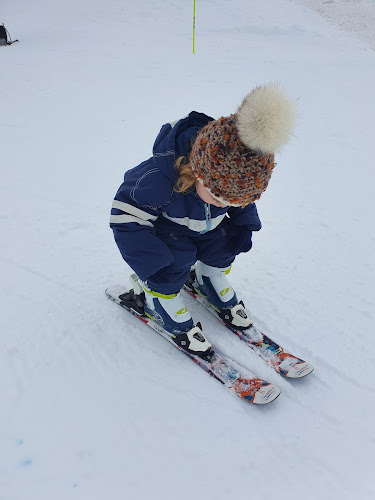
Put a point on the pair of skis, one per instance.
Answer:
(251, 389)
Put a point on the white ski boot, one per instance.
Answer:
(212, 282)
(171, 313)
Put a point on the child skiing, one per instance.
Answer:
(192, 203)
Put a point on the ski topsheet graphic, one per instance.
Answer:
(249, 388)
(272, 353)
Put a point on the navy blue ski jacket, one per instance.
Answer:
(146, 204)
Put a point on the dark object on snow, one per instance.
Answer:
(5, 38)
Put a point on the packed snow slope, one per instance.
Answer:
(93, 404)
(355, 16)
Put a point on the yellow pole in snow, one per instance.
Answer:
(194, 28)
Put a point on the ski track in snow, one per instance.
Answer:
(94, 404)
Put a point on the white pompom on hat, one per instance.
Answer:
(265, 119)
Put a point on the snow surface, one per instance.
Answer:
(96, 406)
(356, 16)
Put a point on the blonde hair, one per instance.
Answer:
(186, 181)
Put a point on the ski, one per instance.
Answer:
(271, 352)
(250, 388)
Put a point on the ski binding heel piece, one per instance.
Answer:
(133, 302)
(136, 284)
(134, 299)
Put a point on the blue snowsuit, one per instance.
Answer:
(161, 233)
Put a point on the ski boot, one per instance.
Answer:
(170, 313)
(212, 283)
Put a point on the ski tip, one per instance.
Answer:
(266, 394)
(300, 370)
(256, 391)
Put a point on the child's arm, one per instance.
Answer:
(243, 221)
(135, 209)
(247, 216)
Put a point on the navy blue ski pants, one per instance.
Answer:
(210, 248)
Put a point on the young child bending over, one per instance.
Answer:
(192, 203)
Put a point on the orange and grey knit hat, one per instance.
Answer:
(233, 157)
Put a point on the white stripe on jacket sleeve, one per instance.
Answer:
(125, 219)
(131, 214)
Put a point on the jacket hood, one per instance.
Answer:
(174, 140)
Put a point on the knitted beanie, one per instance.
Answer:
(233, 157)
